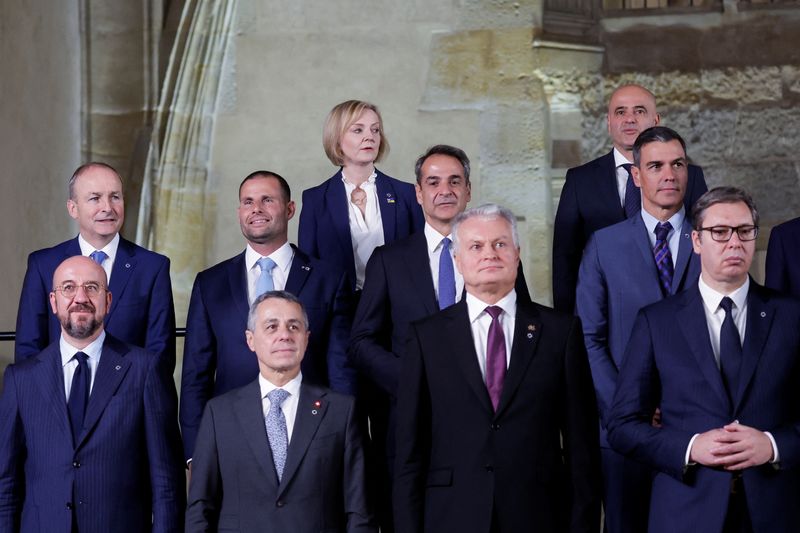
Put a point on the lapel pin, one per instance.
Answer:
(127, 265)
(317, 405)
(389, 198)
(763, 314)
(530, 335)
(117, 367)
(306, 267)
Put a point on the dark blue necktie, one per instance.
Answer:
(663, 257)
(447, 276)
(730, 350)
(633, 199)
(79, 395)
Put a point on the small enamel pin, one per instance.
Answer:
(389, 198)
(317, 405)
(763, 314)
(117, 367)
(127, 265)
(531, 329)
(305, 267)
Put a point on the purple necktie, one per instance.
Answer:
(663, 257)
(633, 199)
(495, 356)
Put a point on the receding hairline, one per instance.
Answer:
(82, 261)
(86, 167)
(647, 91)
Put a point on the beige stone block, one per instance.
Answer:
(117, 71)
(113, 135)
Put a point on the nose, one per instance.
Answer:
(80, 294)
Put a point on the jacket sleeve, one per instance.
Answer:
(568, 245)
(160, 336)
(33, 314)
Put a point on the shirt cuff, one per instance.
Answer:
(689, 451)
(775, 457)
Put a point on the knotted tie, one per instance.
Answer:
(79, 395)
(633, 199)
(730, 350)
(265, 283)
(447, 277)
(495, 356)
(98, 256)
(276, 429)
(663, 257)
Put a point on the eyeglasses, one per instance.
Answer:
(724, 233)
(69, 290)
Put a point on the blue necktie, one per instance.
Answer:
(79, 396)
(447, 276)
(264, 283)
(633, 199)
(276, 429)
(663, 257)
(730, 350)
(98, 256)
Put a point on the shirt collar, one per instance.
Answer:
(712, 298)
(94, 350)
(620, 159)
(282, 257)
(476, 306)
(434, 238)
(293, 387)
(370, 180)
(110, 249)
(676, 220)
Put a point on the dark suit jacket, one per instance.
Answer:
(669, 363)
(590, 201)
(324, 230)
(618, 277)
(783, 258)
(125, 473)
(142, 312)
(461, 466)
(216, 357)
(235, 487)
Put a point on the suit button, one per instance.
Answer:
(495, 426)
(76, 464)
(280, 503)
(489, 468)
(69, 506)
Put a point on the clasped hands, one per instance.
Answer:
(732, 447)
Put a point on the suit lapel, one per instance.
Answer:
(462, 349)
(71, 249)
(337, 202)
(607, 192)
(692, 322)
(237, 281)
(299, 271)
(642, 241)
(50, 380)
(110, 372)
(527, 331)
(250, 415)
(760, 315)
(387, 200)
(419, 268)
(311, 408)
(685, 252)
(124, 265)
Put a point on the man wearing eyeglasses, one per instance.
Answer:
(88, 427)
(722, 361)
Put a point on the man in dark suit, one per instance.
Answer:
(722, 361)
(497, 421)
(783, 258)
(142, 313)
(601, 192)
(279, 454)
(216, 358)
(625, 267)
(88, 434)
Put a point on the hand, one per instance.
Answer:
(656, 420)
(733, 447)
(703, 447)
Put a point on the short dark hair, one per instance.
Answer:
(722, 195)
(442, 149)
(83, 168)
(273, 295)
(286, 191)
(660, 134)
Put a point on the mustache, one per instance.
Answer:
(76, 308)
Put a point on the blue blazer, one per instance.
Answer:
(324, 230)
(125, 473)
(783, 258)
(669, 363)
(234, 486)
(216, 357)
(142, 312)
(590, 201)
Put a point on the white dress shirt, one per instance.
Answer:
(283, 262)
(68, 362)
(110, 249)
(434, 240)
(289, 405)
(622, 174)
(366, 230)
(480, 321)
(674, 236)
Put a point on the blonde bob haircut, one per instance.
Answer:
(339, 120)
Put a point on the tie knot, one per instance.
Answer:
(627, 167)
(98, 256)
(662, 230)
(81, 357)
(494, 311)
(726, 304)
(277, 396)
(446, 243)
(266, 264)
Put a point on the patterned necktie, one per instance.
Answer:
(265, 283)
(79, 395)
(447, 277)
(276, 429)
(663, 257)
(730, 350)
(98, 256)
(495, 356)
(633, 199)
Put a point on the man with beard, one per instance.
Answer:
(88, 439)
(216, 357)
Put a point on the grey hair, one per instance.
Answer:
(722, 195)
(83, 168)
(486, 211)
(273, 295)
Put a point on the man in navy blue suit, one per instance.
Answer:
(216, 358)
(625, 267)
(88, 434)
(783, 258)
(142, 312)
(722, 361)
(601, 192)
